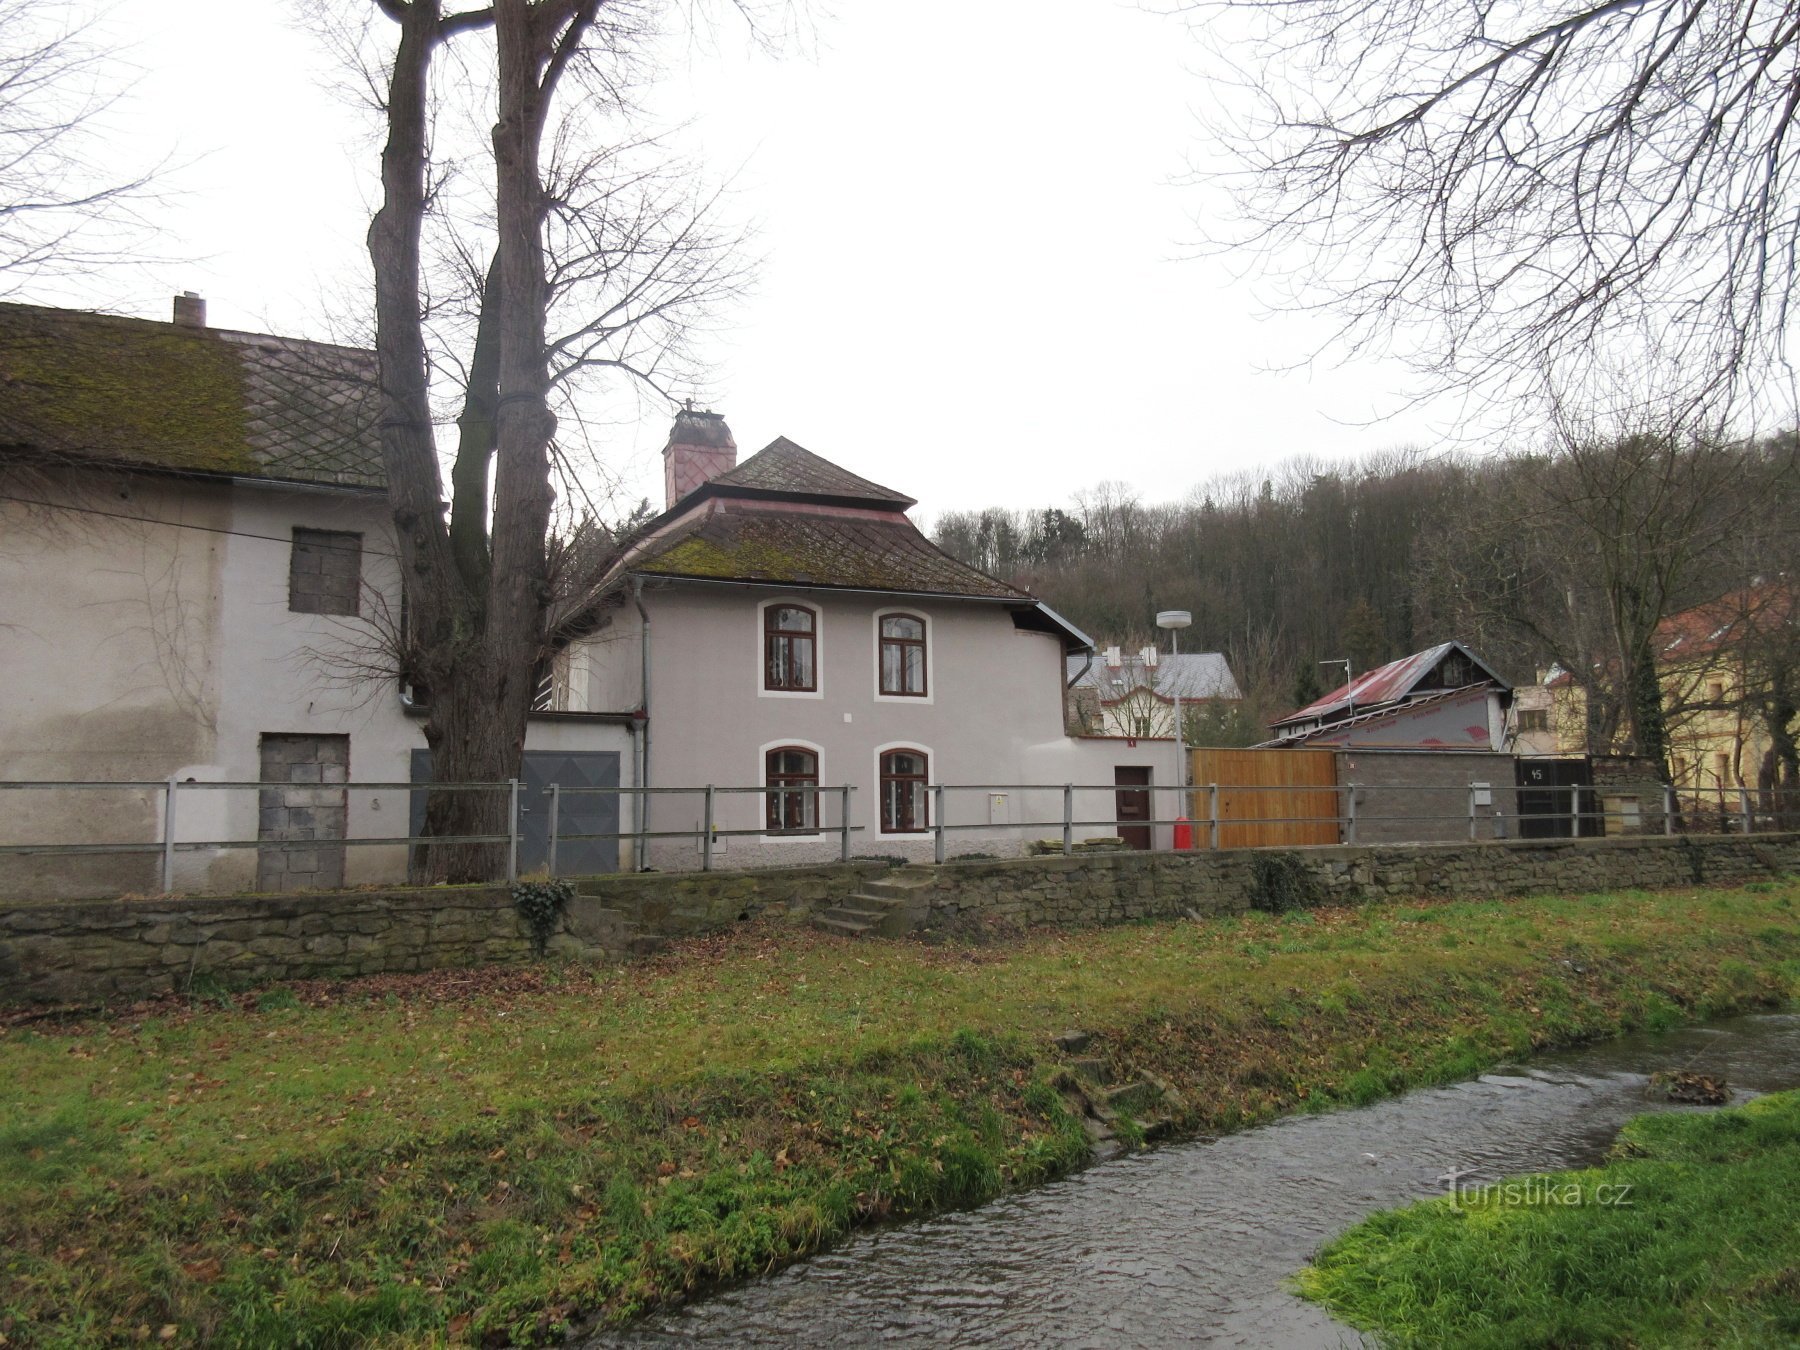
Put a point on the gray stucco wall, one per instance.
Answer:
(994, 705)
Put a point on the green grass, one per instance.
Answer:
(1691, 1237)
(491, 1154)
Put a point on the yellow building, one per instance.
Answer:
(1713, 663)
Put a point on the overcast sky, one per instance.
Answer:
(980, 282)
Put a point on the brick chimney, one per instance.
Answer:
(190, 310)
(700, 448)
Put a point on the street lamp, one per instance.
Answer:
(1172, 621)
(1350, 691)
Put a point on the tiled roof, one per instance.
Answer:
(1725, 623)
(136, 393)
(743, 542)
(789, 469)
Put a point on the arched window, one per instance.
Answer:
(903, 655)
(790, 647)
(791, 774)
(903, 801)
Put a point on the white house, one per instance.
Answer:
(1134, 694)
(800, 635)
(195, 549)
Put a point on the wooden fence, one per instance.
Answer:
(1267, 798)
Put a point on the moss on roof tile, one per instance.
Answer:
(124, 391)
(817, 550)
(193, 400)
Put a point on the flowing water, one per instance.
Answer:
(1195, 1243)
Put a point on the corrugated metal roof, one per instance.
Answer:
(1387, 684)
(1394, 713)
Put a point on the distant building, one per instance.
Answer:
(1443, 698)
(1115, 693)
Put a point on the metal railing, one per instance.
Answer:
(1197, 816)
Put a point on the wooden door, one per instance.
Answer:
(1133, 806)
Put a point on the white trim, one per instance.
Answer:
(819, 830)
(818, 612)
(931, 780)
(931, 683)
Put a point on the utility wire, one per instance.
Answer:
(185, 525)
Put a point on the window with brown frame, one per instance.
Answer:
(791, 774)
(790, 649)
(903, 800)
(1534, 719)
(903, 655)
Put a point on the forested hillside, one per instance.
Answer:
(1570, 557)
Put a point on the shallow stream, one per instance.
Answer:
(1195, 1243)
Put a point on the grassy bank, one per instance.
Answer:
(1692, 1237)
(482, 1155)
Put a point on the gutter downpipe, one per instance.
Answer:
(643, 774)
(1082, 673)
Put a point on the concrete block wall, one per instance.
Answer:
(1396, 787)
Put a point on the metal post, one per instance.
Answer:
(1212, 812)
(1349, 813)
(1068, 819)
(706, 836)
(554, 793)
(1574, 812)
(1744, 809)
(512, 830)
(844, 826)
(168, 839)
(1668, 809)
(1472, 832)
(938, 825)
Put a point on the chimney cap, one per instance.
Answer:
(190, 310)
(701, 427)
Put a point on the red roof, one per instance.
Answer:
(1708, 629)
(1387, 684)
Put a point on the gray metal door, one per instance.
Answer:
(578, 813)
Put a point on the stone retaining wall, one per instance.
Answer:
(63, 951)
(1119, 887)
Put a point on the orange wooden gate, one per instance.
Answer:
(1267, 798)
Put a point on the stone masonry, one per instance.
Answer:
(61, 951)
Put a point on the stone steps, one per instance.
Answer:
(890, 907)
(1085, 1083)
(612, 930)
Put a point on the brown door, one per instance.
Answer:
(1133, 806)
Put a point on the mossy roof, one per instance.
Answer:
(743, 541)
(140, 394)
(789, 470)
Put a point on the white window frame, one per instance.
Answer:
(818, 613)
(931, 673)
(932, 779)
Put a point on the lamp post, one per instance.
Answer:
(1172, 621)
(1350, 692)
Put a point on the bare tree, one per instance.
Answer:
(1510, 195)
(577, 229)
(64, 207)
